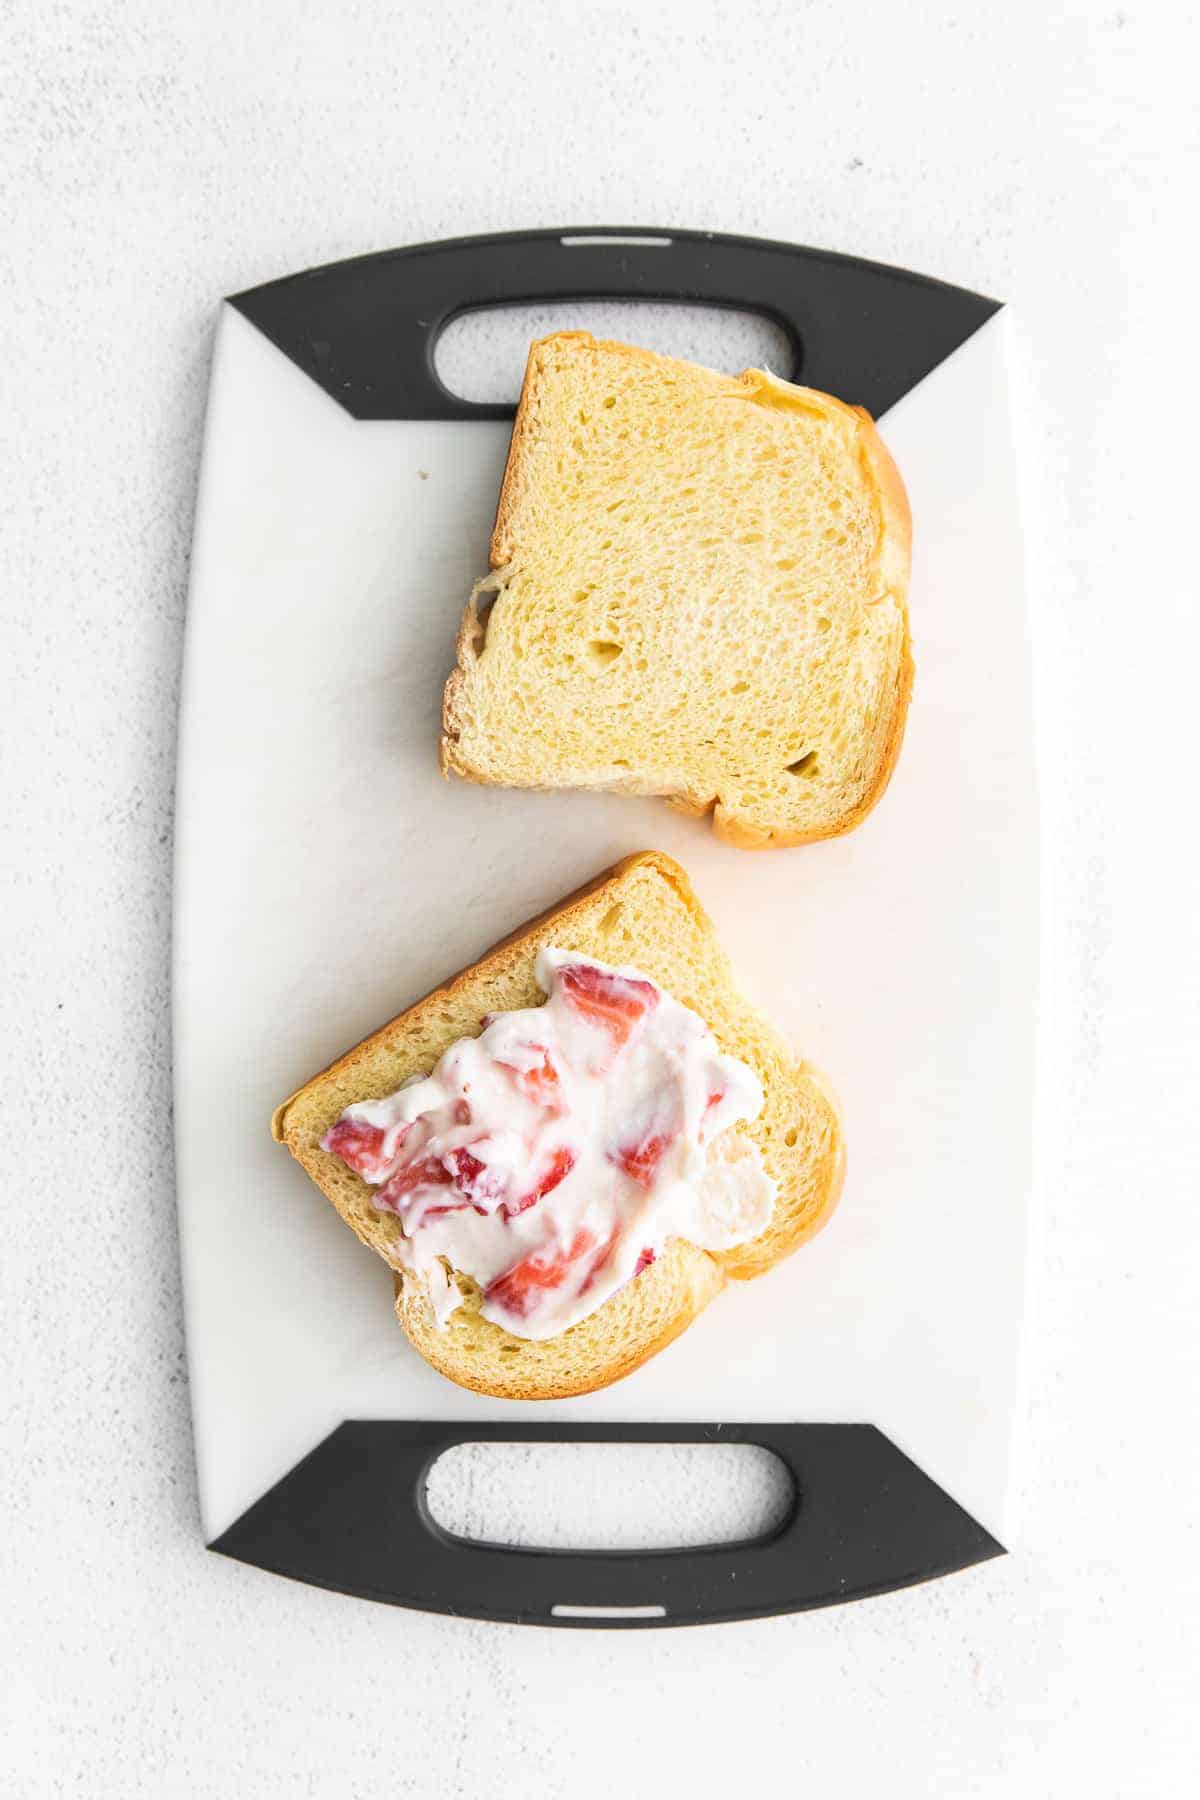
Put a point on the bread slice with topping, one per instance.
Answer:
(698, 590)
(642, 913)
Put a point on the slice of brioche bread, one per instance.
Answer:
(699, 588)
(644, 913)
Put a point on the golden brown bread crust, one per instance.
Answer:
(692, 1278)
(893, 560)
(634, 1324)
(523, 433)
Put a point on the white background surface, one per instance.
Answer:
(160, 156)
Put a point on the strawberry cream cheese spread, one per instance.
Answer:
(552, 1157)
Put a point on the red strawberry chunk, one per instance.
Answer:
(644, 1261)
(426, 1171)
(476, 1180)
(601, 1260)
(647, 1137)
(471, 1181)
(615, 1002)
(425, 1213)
(640, 1160)
(558, 1168)
(519, 1288)
(360, 1147)
(541, 1084)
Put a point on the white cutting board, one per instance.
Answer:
(327, 876)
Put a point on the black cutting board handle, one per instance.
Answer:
(365, 330)
(352, 1516)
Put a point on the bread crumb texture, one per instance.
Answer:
(698, 591)
(644, 913)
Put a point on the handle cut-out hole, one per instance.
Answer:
(608, 1612)
(480, 356)
(609, 1496)
(588, 240)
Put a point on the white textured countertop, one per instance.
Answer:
(156, 157)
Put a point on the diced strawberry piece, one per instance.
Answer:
(425, 1213)
(615, 1002)
(464, 1168)
(427, 1171)
(476, 1180)
(541, 1083)
(558, 1168)
(640, 1160)
(600, 1262)
(648, 1136)
(473, 1183)
(518, 1289)
(715, 1097)
(644, 1261)
(360, 1147)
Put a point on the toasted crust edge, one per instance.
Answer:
(425, 1343)
(893, 559)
